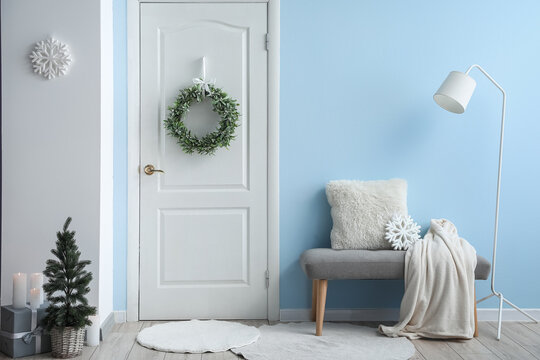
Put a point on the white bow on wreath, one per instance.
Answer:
(202, 82)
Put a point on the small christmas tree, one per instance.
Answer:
(68, 284)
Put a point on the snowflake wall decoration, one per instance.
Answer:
(402, 232)
(50, 58)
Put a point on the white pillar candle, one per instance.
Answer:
(36, 282)
(92, 331)
(19, 290)
(35, 298)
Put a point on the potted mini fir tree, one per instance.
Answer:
(68, 312)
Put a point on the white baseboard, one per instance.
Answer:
(342, 314)
(393, 314)
(484, 314)
(119, 316)
(507, 315)
(106, 326)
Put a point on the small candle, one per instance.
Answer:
(19, 290)
(36, 282)
(92, 331)
(35, 298)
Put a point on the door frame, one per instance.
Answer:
(133, 176)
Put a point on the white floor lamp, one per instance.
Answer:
(454, 95)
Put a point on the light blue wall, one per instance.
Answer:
(120, 154)
(357, 79)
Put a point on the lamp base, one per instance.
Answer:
(502, 300)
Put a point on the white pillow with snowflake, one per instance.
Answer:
(402, 232)
(360, 210)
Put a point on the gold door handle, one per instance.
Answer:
(150, 170)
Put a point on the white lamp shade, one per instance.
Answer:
(455, 92)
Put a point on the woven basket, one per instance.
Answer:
(67, 342)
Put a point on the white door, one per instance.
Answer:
(203, 223)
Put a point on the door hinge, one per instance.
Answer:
(267, 277)
(267, 41)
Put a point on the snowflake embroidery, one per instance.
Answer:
(50, 58)
(402, 232)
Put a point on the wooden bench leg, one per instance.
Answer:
(321, 302)
(314, 300)
(475, 316)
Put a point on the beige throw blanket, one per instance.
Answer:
(439, 287)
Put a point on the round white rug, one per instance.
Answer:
(339, 341)
(197, 336)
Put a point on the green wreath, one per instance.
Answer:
(222, 104)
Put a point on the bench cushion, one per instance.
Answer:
(333, 264)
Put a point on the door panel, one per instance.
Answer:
(203, 245)
(226, 48)
(224, 231)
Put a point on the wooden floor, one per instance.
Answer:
(519, 341)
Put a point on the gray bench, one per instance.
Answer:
(321, 265)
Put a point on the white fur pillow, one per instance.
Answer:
(361, 209)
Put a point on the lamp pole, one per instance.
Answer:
(494, 292)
